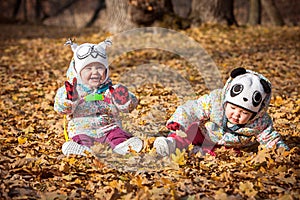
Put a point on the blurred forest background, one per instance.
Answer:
(118, 15)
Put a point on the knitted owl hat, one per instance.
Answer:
(87, 53)
(247, 89)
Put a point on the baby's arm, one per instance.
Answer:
(191, 111)
(268, 136)
(62, 105)
(123, 99)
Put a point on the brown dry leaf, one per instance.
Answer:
(263, 155)
(221, 195)
(247, 188)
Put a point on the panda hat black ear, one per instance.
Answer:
(265, 85)
(238, 71)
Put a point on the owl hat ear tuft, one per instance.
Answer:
(73, 45)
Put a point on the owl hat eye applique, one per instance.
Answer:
(247, 90)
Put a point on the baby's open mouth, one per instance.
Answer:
(95, 78)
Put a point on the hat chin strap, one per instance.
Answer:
(107, 71)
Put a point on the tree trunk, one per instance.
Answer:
(38, 10)
(118, 16)
(60, 10)
(25, 10)
(17, 8)
(213, 11)
(146, 12)
(182, 8)
(273, 12)
(101, 5)
(254, 12)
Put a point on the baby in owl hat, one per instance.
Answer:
(92, 103)
(229, 117)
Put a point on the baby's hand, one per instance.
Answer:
(72, 93)
(174, 126)
(119, 94)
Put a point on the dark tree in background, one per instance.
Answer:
(273, 12)
(214, 11)
(145, 12)
(182, 13)
(101, 5)
(254, 17)
(271, 9)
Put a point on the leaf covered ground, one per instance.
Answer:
(33, 63)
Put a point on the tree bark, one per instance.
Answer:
(16, 8)
(254, 12)
(145, 13)
(101, 5)
(213, 11)
(60, 10)
(273, 12)
(25, 10)
(38, 10)
(182, 8)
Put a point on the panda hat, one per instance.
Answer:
(247, 89)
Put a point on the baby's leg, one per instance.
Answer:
(84, 140)
(121, 141)
(117, 136)
(193, 136)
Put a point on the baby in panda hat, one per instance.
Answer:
(228, 117)
(92, 103)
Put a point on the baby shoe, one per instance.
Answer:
(164, 146)
(133, 143)
(71, 147)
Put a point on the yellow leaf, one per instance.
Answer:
(77, 181)
(64, 168)
(286, 197)
(68, 177)
(72, 160)
(262, 156)
(29, 156)
(247, 189)
(138, 180)
(29, 129)
(192, 78)
(221, 195)
(278, 101)
(22, 140)
(178, 157)
(114, 184)
(15, 97)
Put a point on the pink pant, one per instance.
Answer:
(194, 136)
(113, 138)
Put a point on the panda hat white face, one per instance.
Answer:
(247, 90)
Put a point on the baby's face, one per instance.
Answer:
(237, 115)
(93, 75)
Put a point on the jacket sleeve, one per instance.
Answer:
(192, 111)
(129, 106)
(268, 136)
(62, 105)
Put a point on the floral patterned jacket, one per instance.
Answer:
(93, 118)
(208, 111)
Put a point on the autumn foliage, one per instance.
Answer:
(33, 66)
